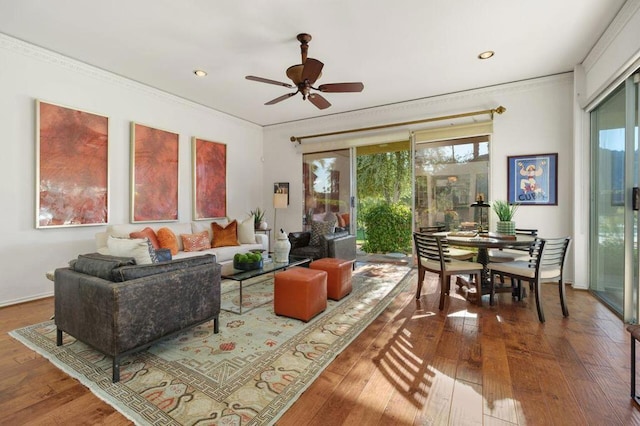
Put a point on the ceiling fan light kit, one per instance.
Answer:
(304, 75)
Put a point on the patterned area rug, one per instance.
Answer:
(248, 374)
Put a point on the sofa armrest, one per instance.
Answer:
(263, 240)
(101, 240)
(342, 247)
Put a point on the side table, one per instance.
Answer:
(268, 233)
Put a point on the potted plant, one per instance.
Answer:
(505, 213)
(258, 218)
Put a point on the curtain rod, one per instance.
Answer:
(498, 110)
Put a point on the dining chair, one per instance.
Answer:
(454, 252)
(515, 253)
(512, 254)
(546, 263)
(433, 256)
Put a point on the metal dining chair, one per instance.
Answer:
(545, 264)
(433, 256)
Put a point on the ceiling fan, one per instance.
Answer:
(304, 75)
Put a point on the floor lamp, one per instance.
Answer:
(280, 200)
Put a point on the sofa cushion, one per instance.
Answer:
(313, 252)
(100, 265)
(319, 229)
(299, 239)
(132, 272)
(246, 231)
(168, 240)
(196, 242)
(205, 225)
(147, 233)
(138, 248)
(224, 236)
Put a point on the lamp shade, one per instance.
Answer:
(280, 201)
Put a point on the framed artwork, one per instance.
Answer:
(154, 174)
(281, 188)
(72, 171)
(209, 179)
(533, 179)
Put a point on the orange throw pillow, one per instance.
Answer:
(224, 236)
(147, 233)
(168, 240)
(196, 242)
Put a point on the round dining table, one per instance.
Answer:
(483, 242)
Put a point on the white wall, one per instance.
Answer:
(539, 119)
(28, 73)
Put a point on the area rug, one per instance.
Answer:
(248, 374)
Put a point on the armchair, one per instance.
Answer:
(339, 245)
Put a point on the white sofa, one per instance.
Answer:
(223, 254)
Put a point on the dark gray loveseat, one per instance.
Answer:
(339, 245)
(118, 307)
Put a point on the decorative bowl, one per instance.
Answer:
(248, 266)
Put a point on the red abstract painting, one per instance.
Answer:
(154, 191)
(210, 179)
(72, 168)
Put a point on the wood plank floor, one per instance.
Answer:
(414, 365)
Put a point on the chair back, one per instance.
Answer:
(432, 248)
(528, 232)
(431, 229)
(548, 253)
(535, 252)
(523, 231)
(555, 253)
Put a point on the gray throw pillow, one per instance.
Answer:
(100, 265)
(319, 229)
(133, 272)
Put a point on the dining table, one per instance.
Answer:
(483, 241)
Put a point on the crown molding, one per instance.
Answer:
(481, 98)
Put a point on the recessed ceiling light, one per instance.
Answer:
(200, 73)
(486, 55)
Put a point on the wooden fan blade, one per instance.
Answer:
(280, 98)
(319, 101)
(266, 80)
(341, 87)
(312, 69)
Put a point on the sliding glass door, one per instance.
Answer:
(614, 220)
(449, 176)
(327, 187)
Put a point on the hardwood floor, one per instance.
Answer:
(414, 364)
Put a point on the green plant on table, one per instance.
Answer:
(504, 210)
(258, 216)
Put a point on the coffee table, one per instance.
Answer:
(270, 266)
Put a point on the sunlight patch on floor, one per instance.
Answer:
(463, 314)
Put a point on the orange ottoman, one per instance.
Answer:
(300, 293)
(338, 276)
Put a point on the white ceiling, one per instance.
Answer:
(401, 50)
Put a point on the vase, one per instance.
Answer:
(506, 227)
(281, 248)
(263, 226)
